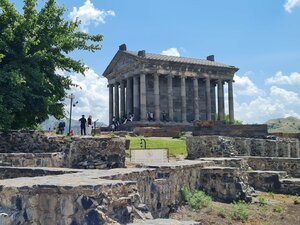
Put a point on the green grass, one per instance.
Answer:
(176, 146)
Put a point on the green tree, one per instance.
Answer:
(33, 46)
(236, 122)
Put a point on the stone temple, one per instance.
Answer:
(174, 89)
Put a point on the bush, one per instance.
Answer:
(296, 200)
(240, 211)
(196, 200)
(262, 201)
(278, 209)
(222, 212)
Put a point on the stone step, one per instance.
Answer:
(165, 222)
(266, 180)
(290, 186)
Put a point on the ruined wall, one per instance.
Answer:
(219, 128)
(38, 149)
(160, 187)
(290, 165)
(218, 146)
(68, 205)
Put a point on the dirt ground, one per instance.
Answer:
(266, 209)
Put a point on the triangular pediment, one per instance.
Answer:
(120, 61)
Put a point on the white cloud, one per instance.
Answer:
(277, 103)
(88, 14)
(290, 4)
(280, 78)
(92, 97)
(171, 52)
(282, 95)
(244, 86)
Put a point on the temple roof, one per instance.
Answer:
(143, 56)
(177, 59)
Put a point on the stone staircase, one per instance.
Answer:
(277, 181)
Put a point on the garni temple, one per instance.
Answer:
(169, 88)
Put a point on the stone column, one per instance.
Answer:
(196, 99)
(208, 99)
(117, 100)
(170, 97)
(220, 100)
(183, 100)
(136, 99)
(111, 103)
(230, 102)
(129, 96)
(143, 97)
(156, 98)
(122, 95)
(213, 100)
(223, 100)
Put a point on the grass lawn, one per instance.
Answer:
(176, 146)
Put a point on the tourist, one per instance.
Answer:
(113, 124)
(150, 116)
(131, 116)
(89, 125)
(164, 116)
(82, 125)
(61, 127)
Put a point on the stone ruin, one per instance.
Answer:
(48, 180)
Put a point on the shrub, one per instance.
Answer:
(296, 200)
(262, 201)
(196, 200)
(278, 209)
(222, 212)
(240, 211)
(271, 194)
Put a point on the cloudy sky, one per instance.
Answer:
(259, 37)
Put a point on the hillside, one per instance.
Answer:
(284, 125)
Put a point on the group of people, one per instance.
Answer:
(115, 123)
(86, 125)
(150, 116)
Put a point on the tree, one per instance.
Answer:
(33, 46)
(236, 122)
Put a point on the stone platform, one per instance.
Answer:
(67, 196)
(37, 149)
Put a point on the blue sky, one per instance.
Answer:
(259, 37)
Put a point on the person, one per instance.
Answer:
(89, 125)
(82, 125)
(61, 127)
(164, 116)
(131, 116)
(113, 124)
(150, 116)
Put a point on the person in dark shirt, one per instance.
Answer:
(82, 125)
(61, 127)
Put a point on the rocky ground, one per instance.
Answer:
(266, 209)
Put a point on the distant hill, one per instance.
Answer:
(284, 125)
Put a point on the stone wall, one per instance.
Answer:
(38, 149)
(70, 204)
(218, 146)
(157, 132)
(218, 128)
(225, 183)
(160, 189)
(290, 165)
